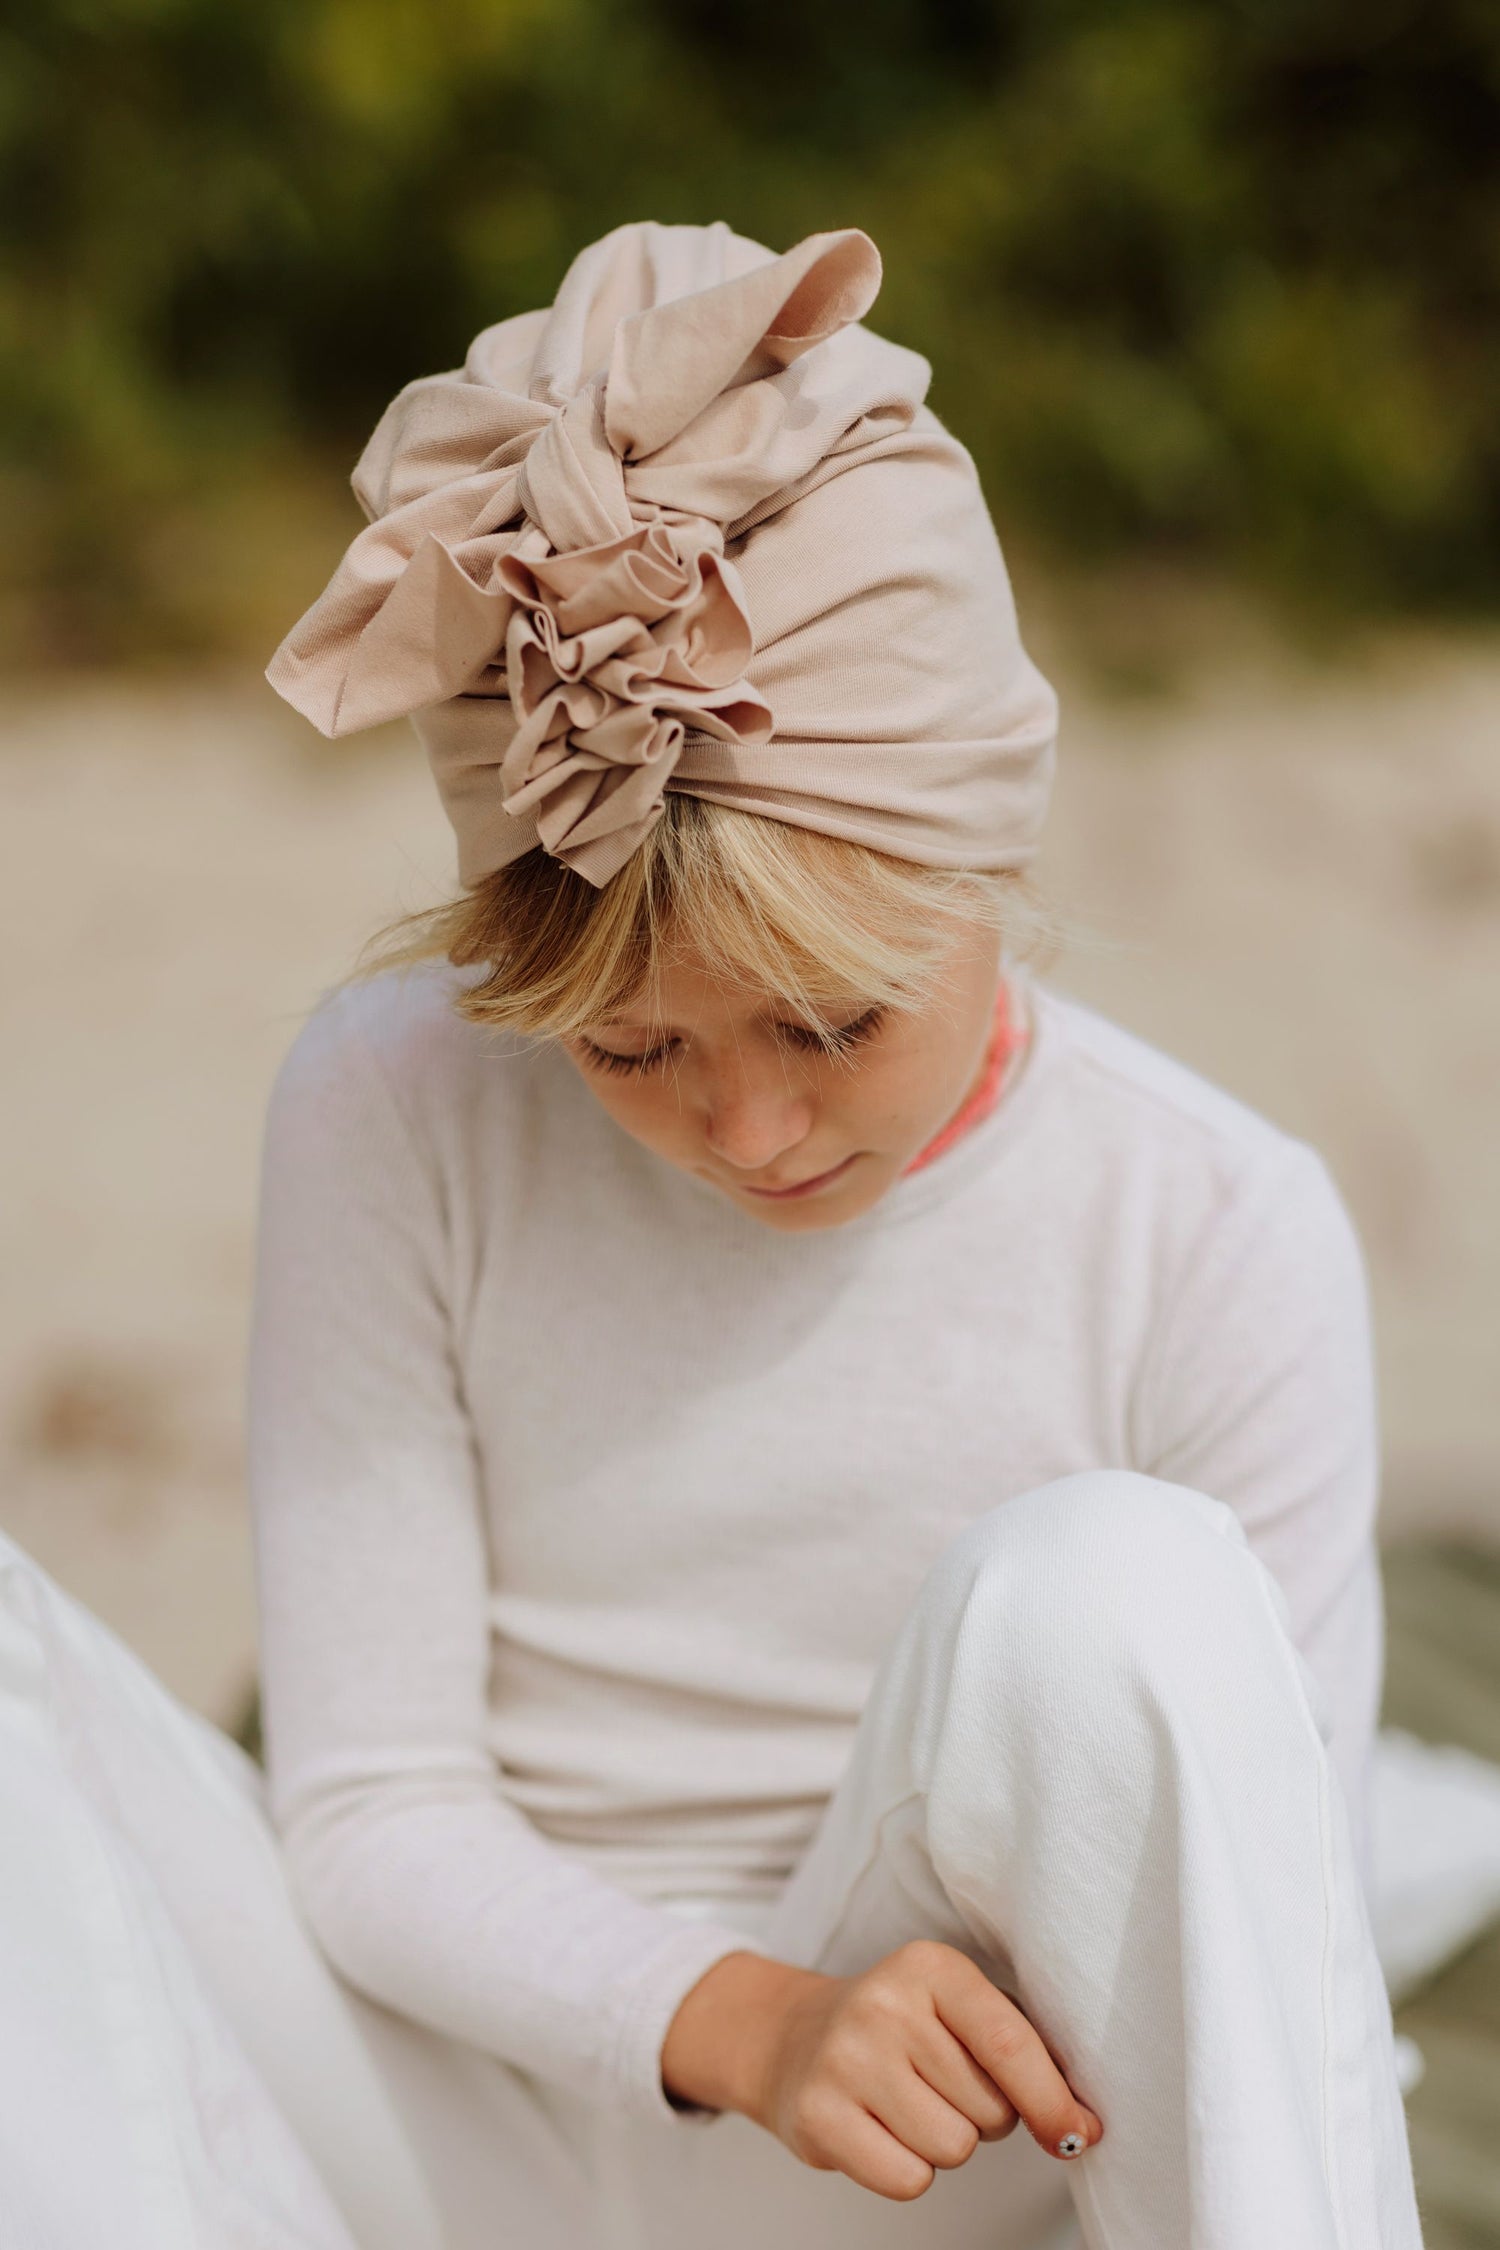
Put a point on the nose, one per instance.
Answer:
(753, 1114)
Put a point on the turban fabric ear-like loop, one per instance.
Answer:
(561, 576)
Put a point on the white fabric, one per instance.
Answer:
(1437, 1854)
(130, 2110)
(586, 1508)
(1092, 1758)
(1095, 1759)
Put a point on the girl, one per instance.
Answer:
(814, 1501)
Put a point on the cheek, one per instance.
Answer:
(913, 1087)
(879, 1101)
(647, 1107)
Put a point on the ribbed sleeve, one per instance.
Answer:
(427, 1889)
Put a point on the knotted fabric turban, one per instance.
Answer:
(690, 527)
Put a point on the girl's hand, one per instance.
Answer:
(888, 2077)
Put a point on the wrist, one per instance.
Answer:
(720, 2044)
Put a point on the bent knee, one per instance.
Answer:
(1108, 1566)
(1101, 1521)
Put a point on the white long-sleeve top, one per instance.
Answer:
(585, 1505)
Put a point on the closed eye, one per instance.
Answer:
(630, 1066)
(834, 1039)
(831, 1040)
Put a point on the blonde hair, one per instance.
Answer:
(814, 919)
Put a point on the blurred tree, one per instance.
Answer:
(1218, 278)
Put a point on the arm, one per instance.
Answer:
(1260, 1391)
(425, 1887)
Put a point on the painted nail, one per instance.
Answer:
(1072, 2144)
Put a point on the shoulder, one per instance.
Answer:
(401, 1020)
(392, 1050)
(1218, 1182)
(1135, 1097)
(1256, 1277)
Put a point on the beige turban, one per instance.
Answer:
(690, 527)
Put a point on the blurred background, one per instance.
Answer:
(1212, 291)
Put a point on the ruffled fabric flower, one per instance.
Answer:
(612, 653)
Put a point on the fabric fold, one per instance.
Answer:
(694, 501)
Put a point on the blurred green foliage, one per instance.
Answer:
(1217, 279)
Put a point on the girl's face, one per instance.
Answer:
(736, 1088)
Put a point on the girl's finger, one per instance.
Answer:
(1010, 2049)
(923, 2120)
(867, 2152)
(948, 2067)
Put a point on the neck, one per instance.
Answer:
(1007, 1036)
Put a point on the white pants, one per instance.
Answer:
(1092, 1759)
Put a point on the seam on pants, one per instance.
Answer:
(1325, 1868)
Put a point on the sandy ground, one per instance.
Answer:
(1289, 879)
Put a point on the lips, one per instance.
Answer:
(803, 1187)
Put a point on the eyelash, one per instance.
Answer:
(830, 1044)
